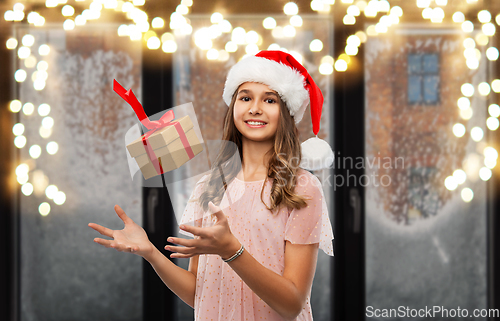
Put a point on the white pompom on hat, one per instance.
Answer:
(285, 75)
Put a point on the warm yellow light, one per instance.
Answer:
(18, 129)
(353, 11)
(458, 130)
(341, 65)
(484, 16)
(494, 110)
(289, 31)
(450, 183)
(30, 62)
(459, 176)
(153, 43)
(35, 151)
(28, 109)
(44, 50)
(273, 46)
(492, 123)
(45, 132)
(51, 191)
(23, 179)
(43, 109)
(476, 133)
(223, 55)
(20, 141)
(467, 194)
(15, 106)
(68, 24)
(68, 11)
(11, 43)
(489, 29)
(423, 3)
(316, 45)
(466, 114)
(44, 209)
(48, 122)
(484, 89)
(362, 36)
(291, 9)
(492, 54)
(467, 26)
(251, 37)
(169, 46)
(277, 32)
(490, 153)
(60, 198)
(325, 69)
(485, 173)
(23, 52)
(216, 17)
(351, 50)
(182, 9)
(482, 39)
(27, 189)
(251, 49)
(349, 20)
(157, 23)
(52, 148)
(469, 43)
(296, 21)
(20, 75)
(231, 46)
(28, 40)
(371, 30)
(22, 169)
(463, 103)
(458, 17)
(327, 60)
(467, 90)
(212, 54)
(473, 63)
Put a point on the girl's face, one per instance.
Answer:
(256, 111)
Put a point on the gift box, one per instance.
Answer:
(167, 147)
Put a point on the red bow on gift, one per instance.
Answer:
(153, 125)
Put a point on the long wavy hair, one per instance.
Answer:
(285, 157)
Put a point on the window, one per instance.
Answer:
(423, 79)
(423, 199)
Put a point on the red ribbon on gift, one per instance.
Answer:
(153, 125)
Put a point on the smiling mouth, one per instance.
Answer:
(255, 123)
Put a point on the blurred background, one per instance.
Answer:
(411, 111)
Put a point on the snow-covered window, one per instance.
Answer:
(423, 78)
(423, 199)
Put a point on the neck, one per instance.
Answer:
(255, 162)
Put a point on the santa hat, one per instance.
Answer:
(285, 75)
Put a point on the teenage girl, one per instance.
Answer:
(256, 259)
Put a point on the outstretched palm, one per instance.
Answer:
(132, 238)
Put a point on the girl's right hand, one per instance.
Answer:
(132, 238)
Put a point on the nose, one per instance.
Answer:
(255, 108)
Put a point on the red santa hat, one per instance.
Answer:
(285, 75)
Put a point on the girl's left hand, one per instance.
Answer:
(216, 239)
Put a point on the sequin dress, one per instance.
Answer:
(220, 293)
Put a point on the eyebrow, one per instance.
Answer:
(246, 91)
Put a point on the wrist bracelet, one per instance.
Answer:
(236, 255)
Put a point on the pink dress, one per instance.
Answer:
(220, 292)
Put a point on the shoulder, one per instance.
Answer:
(306, 180)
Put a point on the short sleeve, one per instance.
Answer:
(310, 224)
(193, 213)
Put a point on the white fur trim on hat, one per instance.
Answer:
(286, 81)
(316, 154)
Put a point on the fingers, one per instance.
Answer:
(106, 243)
(101, 229)
(122, 215)
(197, 231)
(181, 249)
(181, 256)
(116, 246)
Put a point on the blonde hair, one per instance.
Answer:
(283, 163)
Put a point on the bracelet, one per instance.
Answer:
(236, 255)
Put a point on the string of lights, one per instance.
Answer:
(148, 30)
